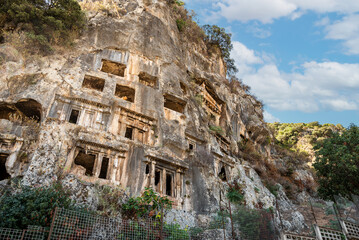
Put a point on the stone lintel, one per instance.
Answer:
(175, 98)
(194, 138)
(82, 100)
(99, 146)
(167, 161)
(223, 158)
(142, 117)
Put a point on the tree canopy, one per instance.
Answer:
(217, 36)
(44, 22)
(337, 164)
(288, 134)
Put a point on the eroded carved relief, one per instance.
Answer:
(223, 143)
(223, 167)
(9, 150)
(81, 112)
(165, 175)
(96, 162)
(136, 126)
(192, 142)
(212, 103)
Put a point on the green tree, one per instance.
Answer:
(44, 22)
(337, 164)
(217, 36)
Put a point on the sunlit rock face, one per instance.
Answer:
(134, 105)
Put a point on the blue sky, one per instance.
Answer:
(300, 57)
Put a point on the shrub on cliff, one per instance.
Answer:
(41, 23)
(32, 206)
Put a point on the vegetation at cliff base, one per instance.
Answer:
(41, 24)
(32, 206)
(337, 164)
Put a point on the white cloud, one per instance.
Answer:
(266, 11)
(323, 6)
(244, 55)
(245, 58)
(313, 86)
(340, 104)
(296, 14)
(347, 29)
(269, 117)
(259, 32)
(322, 22)
(262, 10)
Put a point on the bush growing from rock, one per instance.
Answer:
(147, 205)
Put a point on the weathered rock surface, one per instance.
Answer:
(133, 105)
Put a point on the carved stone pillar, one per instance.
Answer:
(97, 165)
(178, 183)
(163, 182)
(152, 174)
(115, 173)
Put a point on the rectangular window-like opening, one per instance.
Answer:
(169, 184)
(3, 173)
(129, 132)
(113, 67)
(104, 168)
(93, 83)
(125, 93)
(74, 116)
(190, 146)
(147, 169)
(87, 161)
(157, 177)
(174, 104)
(147, 79)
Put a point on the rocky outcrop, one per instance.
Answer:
(132, 105)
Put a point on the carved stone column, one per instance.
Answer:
(152, 174)
(178, 183)
(163, 182)
(97, 165)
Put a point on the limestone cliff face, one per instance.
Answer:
(132, 105)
